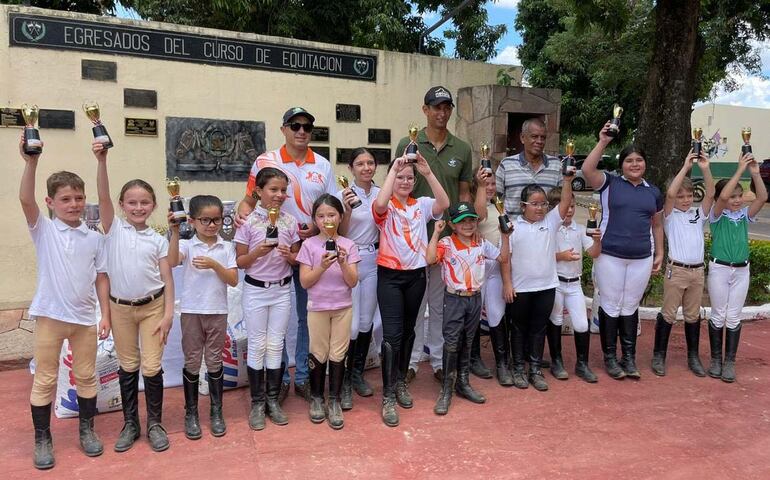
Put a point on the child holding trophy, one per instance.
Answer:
(141, 300)
(265, 246)
(328, 271)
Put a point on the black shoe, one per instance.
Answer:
(608, 333)
(317, 409)
(499, 337)
(129, 394)
(153, 395)
(192, 426)
(553, 333)
(357, 380)
(662, 333)
(257, 392)
(520, 379)
(582, 345)
(273, 405)
(283, 392)
(715, 339)
(346, 400)
(537, 379)
(41, 420)
(403, 397)
(389, 369)
(302, 390)
(477, 364)
(89, 440)
(628, 326)
(449, 365)
(216, 388)
(464, 389)
(732, 338)
(336, 373)
(692, 337)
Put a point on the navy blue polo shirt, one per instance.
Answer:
(627, 212)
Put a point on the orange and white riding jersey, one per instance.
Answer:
(308, 180)
(463, 267)
(404, 233)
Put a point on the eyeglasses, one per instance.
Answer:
(536, 204)
(307, 127)
(405, 179)
(206, 221)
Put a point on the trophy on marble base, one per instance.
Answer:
(91, 216)
(32, 143)
(271, 232)
(746, 136)
(331, 245)
(486, 163)
(100, 132)
(411, 148)
(614, 129)
(697, 142)
(568, 167)
(592, 225)
(177, 205)
(506, 226)
(343, 181)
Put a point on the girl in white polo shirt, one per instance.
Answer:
(209, 267)
(141, 301)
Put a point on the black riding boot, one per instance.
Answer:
(715, 339)
(499, 337)
(273, 404)
(41, 420)
(192, 426)
(662, 333)
(692, 337)
(89, 441)
(129, 394)
(216, 388)
(449, 365)
(336, 372)
(257, 391)
(536, 346)
(153, 396)
(463, 383)
(389, 368)
(628, 325)
(317, 380)
(732, 337)
(357, 380)
(553, 333)
(582, 344)
(403, 397)
(517, 350)
(608, 332)
(478, 367)
(346, 400)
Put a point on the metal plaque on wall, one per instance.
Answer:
(320, 134)
(322, 151)
(381, 155)
(348, 113)
(379, 135)
(141, 127)
(11, 117)
(210, 149)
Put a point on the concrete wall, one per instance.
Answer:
(52, 80)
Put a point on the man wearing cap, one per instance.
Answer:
(450, 160)
(310, 176)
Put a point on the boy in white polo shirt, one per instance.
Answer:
(70, 261)
(463, 268)
(684, 274)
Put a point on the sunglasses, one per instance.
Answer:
(307, 127)
(206, 221)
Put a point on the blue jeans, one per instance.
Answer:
(303, 340)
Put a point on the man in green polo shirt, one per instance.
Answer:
(450, 160)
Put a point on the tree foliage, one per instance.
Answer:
(84, 6)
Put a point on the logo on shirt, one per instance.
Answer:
(453, 162)
(315, 177)
(697, 217)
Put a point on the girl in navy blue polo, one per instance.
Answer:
(631, 209)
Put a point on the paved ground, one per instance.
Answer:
(676, 427)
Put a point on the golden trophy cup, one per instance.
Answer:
(177, 205)
(746, 136)
(100, 132)
(331, 246)
(344, 183)
(506, 226)
(32, 143)
(411, 148)
(271, 232)
(568, 167)
(697, 142)
(486, 163)
(592, 225)
(614, 129)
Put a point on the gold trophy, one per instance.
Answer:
(592, 225)
(100, 132)
(177, 205)
(506, 226)
(32, 143)
(343, 181)
(411, 148)
(271, 232)
(697, 142)
(568, 167)
(746, 136)
(486, 163)
(614, 129)
(331, 245)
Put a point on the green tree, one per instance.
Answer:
(84, 6)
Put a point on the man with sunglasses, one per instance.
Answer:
(310, 176)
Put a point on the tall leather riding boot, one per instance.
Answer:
(582, 345)
(388, 370)
(608, 333)
(336, 374)
(536, 346)
(346, 400)
(463, 384)
(692, 337)
(153, 396)
(129, 394)
(192, 426)
(317, 380)
(662, 333)
(715, 341)
(41, 421)
(517, 336)
(403, 397)
(357, 380)
(449, 365)
(216, 389)
(628, 325)
(273, 404)
(257, 391)
(732, 337)
(499, 337)
(89, 440)
(553, 333)
(478, 367)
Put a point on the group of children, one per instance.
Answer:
(370, 242)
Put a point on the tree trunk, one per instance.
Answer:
(664, 123)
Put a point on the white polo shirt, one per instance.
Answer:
(533, 253)
(308, 180)
(203, 290)
(361, 229)
(67, 262)
(133, 260)
(404, 233)
(463, 267)
(489, 228)
(684, 230)
(572, 236)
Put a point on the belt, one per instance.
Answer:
(369, 247)
(139, 301)
(730, 264)
(462, 293)
(260, 283)
(685, 265)
(568, 280)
